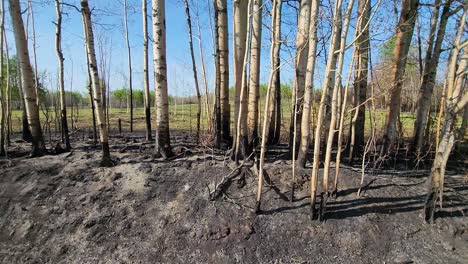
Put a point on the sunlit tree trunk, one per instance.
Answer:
(194, 66)
(302, 51)
(456, 100)
(275, 49)
(58, 46)
(429, 73)
(242, 137)
(404, 33)
(254, 75)
(145, 71)
(97, 89)
(309, 85)
(321, 111)
(334, 109)
(223, 53)
(356, 135)
(27, 79)
(163, 143)
(36, 75)
(239, 50)
(274, 128)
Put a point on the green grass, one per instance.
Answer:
(183, 117)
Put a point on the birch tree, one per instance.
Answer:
(357, 126)
(309, 83)
(239, 50)
(194, 66)
(95, 81)
(321, 111)
(404, 33)
(302, 52)
(334, 109)
(129, 60)
(254, 74)
(27, 80)
(242, 136)
(223, 54)
(144, 14)
(275, 49)
(163, 142)
(456, 100)
(431, 61)
(274, 128)
(58, 48)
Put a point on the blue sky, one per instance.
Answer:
(108, 15)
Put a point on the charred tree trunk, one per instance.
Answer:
(97, 89)
(63, 106)
(145, 71)
(223, 57)
(27, 80)
(275, 49)
(274, 128)
(356, 135)
(429, 73)
(194, 66)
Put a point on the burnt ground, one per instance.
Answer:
(67, 209)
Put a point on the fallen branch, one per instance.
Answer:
(221, 186)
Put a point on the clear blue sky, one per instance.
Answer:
(108, 15)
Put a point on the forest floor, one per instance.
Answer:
(67, 209)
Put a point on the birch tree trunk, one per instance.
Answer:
(242, 137)
(321, 111)
(334, 109)
(309, 85)
(223, 53)
(163, 142)
(217, 125)
(275, 46)
(97, 89)
(239, 50)
(205, 80)
(302, 52)
(254, 75)
(27, 80)
(129, 57)
(36, 75)
(456, 100)
(404, 33)
(145, 71)
(429, 73)
(275, 111)
(58, 47)
(194, 66)
(90, 91)
(356, 135)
